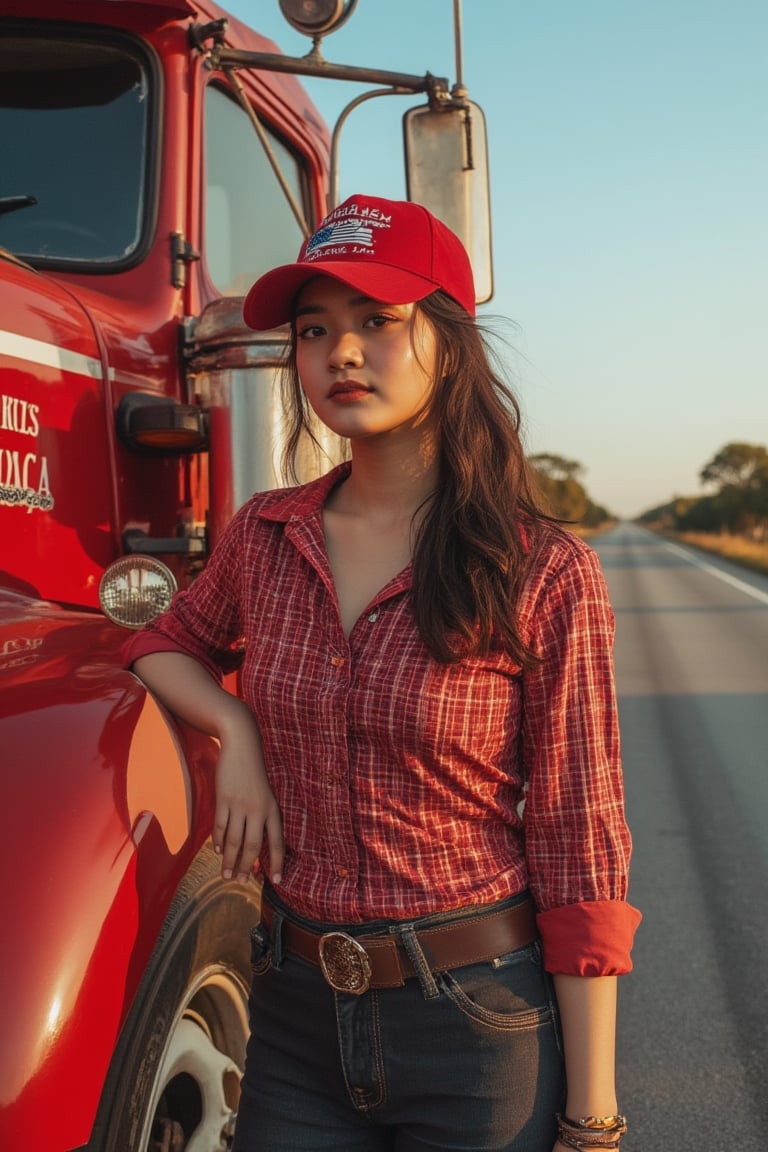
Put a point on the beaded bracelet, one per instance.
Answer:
(591, 1132)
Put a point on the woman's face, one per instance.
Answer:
(367, 368)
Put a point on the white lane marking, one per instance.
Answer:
(49, 355)
(726, 577)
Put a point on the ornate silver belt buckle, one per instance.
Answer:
(345, 963)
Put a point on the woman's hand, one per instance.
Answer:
(246, 808)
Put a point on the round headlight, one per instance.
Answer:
(136, 589)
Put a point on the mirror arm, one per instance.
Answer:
(436, 87)
(335, 137)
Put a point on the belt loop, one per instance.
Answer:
(420, 964)
(277, 938)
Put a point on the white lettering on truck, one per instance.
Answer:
(18, 415)
(24, 480)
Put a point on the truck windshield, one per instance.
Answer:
(74, 124)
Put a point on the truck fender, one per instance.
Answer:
(108, 804)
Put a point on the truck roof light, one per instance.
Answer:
(136, 589)
(316, 17)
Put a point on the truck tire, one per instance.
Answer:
(174, 1080)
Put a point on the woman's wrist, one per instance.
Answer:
(596, 1108)
(234, 718)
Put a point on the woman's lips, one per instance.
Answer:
(344, 390)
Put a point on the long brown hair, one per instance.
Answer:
(482, 523)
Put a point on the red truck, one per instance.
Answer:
(157, 157)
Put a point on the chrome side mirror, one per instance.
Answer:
(446, 164)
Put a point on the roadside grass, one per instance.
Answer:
(747, 553)
(589, 532)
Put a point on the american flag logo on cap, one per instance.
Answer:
(342, 232)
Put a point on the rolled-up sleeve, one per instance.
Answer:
(204, 620)
(578, 844)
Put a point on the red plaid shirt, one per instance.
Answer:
(400, 779)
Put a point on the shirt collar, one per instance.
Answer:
(299, 503)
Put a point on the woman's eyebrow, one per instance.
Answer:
(308, 309)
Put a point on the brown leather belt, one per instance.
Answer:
(356, 963)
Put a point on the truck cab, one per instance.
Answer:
(139, 203)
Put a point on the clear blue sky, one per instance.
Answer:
(629, 195)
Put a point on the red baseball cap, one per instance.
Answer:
(392, 250)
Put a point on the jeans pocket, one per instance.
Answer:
(261, 950)
(511, 992)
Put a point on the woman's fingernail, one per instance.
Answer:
(226, 873)
(277, 877)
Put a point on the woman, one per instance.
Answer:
(426, 757)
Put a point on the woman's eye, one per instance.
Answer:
(310, 332)
(379, 320)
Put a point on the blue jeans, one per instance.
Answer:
(466, 1061)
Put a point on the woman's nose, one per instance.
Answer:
(345, 352)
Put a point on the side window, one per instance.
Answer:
(249, 225)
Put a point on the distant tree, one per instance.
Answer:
(740, 505)
(556, 467)
(703, 515)
(660, 516)
(565, 495)
(737, 465)
(757, 501)
(595, 515)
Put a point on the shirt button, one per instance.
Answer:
(373, 616)
(342, 872)
(338, 661)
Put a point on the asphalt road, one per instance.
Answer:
(692, 674)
